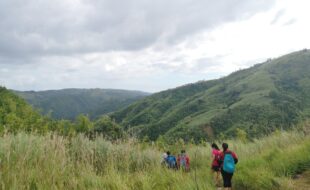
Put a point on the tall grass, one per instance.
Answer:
(30, 161)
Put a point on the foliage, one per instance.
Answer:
(16, 115)
(108, 128)
(69, 103)
(268, 96)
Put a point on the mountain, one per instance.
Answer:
(69, 103)
(255, 101)
(16, 114)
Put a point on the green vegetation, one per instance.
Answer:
(31, 161)
(250, 108)
(259, 100)
(16, 115)
(69, 103)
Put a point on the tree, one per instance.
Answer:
(83, 124)
(108, 128)
(161, 142)
(241, 135)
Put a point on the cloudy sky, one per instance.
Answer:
(142, 44)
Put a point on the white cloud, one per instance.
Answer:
(133, 49)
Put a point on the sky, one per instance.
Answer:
(142, 45)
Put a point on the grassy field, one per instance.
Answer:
(30, 161)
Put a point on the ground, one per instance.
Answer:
(303, 181)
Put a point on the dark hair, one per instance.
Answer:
(182, 151)
(215, 146)
(225, 146)
(168, 153)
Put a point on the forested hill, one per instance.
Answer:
(69, 103)
(258, 100)
(16, 114)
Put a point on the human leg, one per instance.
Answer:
(227, 179)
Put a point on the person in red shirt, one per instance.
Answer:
(183, 161)
(215, 166)
(227, 176)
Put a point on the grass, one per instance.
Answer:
(30, 161)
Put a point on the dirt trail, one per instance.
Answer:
(303, 182)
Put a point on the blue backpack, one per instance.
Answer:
(171, 161)
(229, 163)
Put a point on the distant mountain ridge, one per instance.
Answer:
(69, 103)
(257, 100)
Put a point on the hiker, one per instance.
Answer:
(163, 161)
(228, 161)
(178, 161)
(171, 161)
(183, 161)
(215, 165)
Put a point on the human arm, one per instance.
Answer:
(234, 155)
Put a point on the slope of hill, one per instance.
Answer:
(16, 114)
(258, 100)
(68, 103)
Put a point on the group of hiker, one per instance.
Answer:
(223, 163)
(180, 162)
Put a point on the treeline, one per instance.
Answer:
(16, 115)
(69, 103)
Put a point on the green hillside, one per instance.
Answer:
(69, 103)
(258, 100)
(16, 114)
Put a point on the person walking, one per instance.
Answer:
(215, 165)
(183, 161)
(228, 161)
(171, 161)
(163, 160)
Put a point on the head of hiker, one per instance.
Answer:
(225, 146)
(165, 155)
(214, 146)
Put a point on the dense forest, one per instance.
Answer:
(255, 101)
(17, 115)
(69, 103)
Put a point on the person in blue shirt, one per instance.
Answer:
(171, 161)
